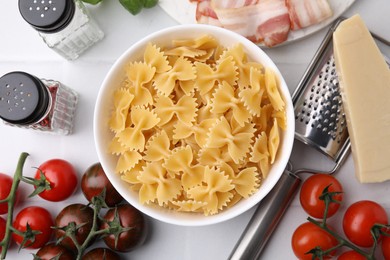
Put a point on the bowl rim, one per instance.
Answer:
(288, 134)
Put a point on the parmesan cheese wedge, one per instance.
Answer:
(365, 90)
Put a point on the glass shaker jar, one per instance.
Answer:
(64, 25)
(29, 102)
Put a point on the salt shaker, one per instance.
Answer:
(29, 102)
(64, 25)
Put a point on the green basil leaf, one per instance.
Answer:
(150, 3)
(133, 6)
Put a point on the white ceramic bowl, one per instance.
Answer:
(103, 136)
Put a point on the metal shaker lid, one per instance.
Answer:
(24, 99)
(47, 16)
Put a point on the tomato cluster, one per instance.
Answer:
(364, 223)
(77, 226)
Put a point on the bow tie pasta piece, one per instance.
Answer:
(142, 119)
(157, 147)
(180, 161)
(244, 67)
(216, 191)
(273, 141)
(280, 116)
(238, 144)
(185, 109)
(182, 70)
(187, 87)
(189, 205)
(157, 185)
(245, 181)
(207, 77)
(115, 147)
(264, 121)
(260, 154)
(203, 42)
(252, 96)
(224, 99)
(139, 74)
(272, 90)
(213, 156)
(155, 58)
(131, 176)
(200, 131)
(122, 101)
(127, 161)
(185, 51)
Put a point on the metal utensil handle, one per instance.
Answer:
(266, 217)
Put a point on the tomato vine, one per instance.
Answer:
(378, 230)
(126, 225)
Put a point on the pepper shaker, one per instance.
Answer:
(64, 25)
(29, 102)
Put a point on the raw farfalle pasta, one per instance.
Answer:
(139, 74)
(185, 109)
(224, 99)
(196, 125)
(122, 101)
(182, 70)
(207, 77)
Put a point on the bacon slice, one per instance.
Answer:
(304, 13)
(233, 3)
(263, 21)
(205, 13)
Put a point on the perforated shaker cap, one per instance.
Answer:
(24, 98)
(47, 16)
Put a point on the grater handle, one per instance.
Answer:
(266, 217)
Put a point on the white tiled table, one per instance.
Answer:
(22, 49)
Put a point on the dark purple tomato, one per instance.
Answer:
(79, 214)
(93, 182)
(52, 251)
(101, 254)
(129, 217)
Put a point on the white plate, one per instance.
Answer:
(184, 12)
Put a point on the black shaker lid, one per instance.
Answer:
(47, 16)
(23, 98)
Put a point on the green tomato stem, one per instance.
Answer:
(342, 241)
(97, 206)
(11, 203)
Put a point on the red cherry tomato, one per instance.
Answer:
(5, 189)
(386, 247)
(311, 190)
(62, 178)
(39, 219)
(351, 255)
(359, 219)
(309, 236)
(3, 225)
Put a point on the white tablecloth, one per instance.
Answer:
(22, 49)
